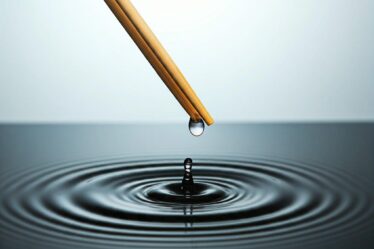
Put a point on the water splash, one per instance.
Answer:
(188, 165)
(187, 182)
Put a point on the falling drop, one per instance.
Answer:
(196, 127)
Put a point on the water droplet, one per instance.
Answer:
(196, 127)
(188, 165)
(187, 182)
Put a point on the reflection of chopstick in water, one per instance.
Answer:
(159, 59)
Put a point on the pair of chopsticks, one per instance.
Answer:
(160, 60)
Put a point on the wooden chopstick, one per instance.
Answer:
(159, 59)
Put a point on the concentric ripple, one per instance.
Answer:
(135, 202)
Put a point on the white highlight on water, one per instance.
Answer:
(188, 165)
(196, 127)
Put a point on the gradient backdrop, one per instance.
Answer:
(264, 60)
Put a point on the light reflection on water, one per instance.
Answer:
(137, 201)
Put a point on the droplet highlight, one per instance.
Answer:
(196, 127)
(188, 165)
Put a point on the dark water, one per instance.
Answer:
(230, 201)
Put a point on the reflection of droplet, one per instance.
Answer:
(188, 165)
(196, 127)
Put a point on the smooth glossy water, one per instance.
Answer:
(155, 203)
(196, 127)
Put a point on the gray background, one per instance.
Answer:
(264, 60)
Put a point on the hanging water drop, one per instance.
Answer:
(196, 127)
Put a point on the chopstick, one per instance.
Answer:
(160, 60)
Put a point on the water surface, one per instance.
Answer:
(235, 201)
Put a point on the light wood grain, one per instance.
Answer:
(160, 60)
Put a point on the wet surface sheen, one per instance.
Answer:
(236, 201)
(267, 186)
